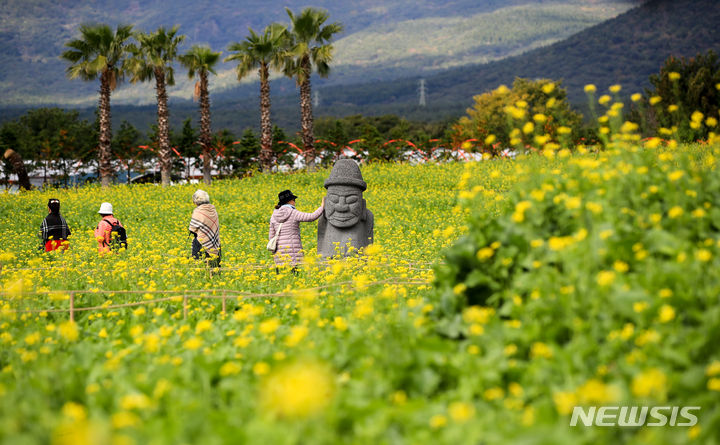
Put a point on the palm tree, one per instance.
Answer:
(153, 60)
(311, 48)
(100, 52)
(262, 52)
(201, 60)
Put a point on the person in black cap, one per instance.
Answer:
(54, 231)
(285, 224)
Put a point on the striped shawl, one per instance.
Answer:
(206, 225)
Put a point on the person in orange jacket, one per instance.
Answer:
(109, 233)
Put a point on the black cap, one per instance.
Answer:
(285, 196)
(54, 205)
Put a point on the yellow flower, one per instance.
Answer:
(665, 293)
(490, 139)
(539, 118)
(653, 143)
(650, 383)
(202, 326)
(477, 314)
(301, 389)
(124, 419)
(548, 88)
(269, 326)
(713, 369)
(573, 203)
(528, 128)
(636, 97)
(461, 412)
(677, 174)
(697, 116)
(703, 255)
(494, 393)
(667, 313)
(565, 402)
(541, 350)
(485, 253)
(672, 108)
(605, 278)
(713, 384)
(438, 421)
(69, 331)
(193, 343)
(620, 266)
(230, 368)
(297, 334)
(510, 349)
(340, 324)
(399, 397)
(33, 338)
(134, 401)
(674, 76)
(590, 88)
(615, 88)
(74, 411)
(675, 212)
(261, 368)
(604, 99)
(655, 100)
(596, 391)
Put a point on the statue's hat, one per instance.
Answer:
(346, 172)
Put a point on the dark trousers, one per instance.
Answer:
(197, 253)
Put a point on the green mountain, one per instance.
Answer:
(625, 50)
(383, 39)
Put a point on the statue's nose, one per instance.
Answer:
(342, 207)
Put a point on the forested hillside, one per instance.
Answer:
(624, 50)
(382, 40)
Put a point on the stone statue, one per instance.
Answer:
(346, 220)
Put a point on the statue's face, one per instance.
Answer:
(344, 205)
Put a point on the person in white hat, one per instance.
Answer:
(109, 233)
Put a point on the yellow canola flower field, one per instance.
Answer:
(409, 342)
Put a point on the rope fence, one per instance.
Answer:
(187, 295)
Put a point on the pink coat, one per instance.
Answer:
(289, 243)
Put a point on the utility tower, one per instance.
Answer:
(422, 92)
(316, 98)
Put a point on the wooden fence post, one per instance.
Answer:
(223, 302)
(72, 306)
(185, 306)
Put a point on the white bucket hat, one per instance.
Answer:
(106, 209)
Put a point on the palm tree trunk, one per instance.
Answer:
(306, 117)
(205, 131)
(18, 167)
(266, 153)
(163, 127)
(104, 167)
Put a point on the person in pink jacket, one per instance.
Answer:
(289, 245)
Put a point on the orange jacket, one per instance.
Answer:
(102, 232)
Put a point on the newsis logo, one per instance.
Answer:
(634, 416)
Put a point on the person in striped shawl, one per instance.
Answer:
(205, 228)
(54, 230)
